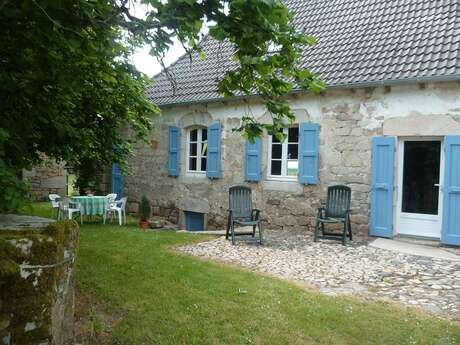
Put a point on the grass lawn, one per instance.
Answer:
(141, 292)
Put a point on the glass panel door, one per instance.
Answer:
(421, 177)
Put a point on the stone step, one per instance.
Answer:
(414, 249)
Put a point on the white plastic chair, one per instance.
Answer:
(111, 198)
(119, 207)
(55, 198)
(67, 208)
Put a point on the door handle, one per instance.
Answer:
(437, 185)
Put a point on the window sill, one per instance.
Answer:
(287, 185)
(193, 178)
(283, 178)
(195, 174)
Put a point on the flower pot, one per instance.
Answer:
(143, 224)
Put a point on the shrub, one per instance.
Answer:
(144, 208)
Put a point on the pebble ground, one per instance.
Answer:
(357, 269)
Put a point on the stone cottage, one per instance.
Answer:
(388, 126)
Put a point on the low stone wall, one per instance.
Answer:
(167, 211)
(48, 178)
(37, 280)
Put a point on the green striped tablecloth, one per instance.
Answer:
(91, 205)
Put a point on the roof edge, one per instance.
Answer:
(377, 83)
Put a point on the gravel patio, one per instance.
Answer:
(357, 269)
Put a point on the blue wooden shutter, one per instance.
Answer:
(173, 150)
(308, 153)
(451, 206)
(213, 153)
(253, 160)
(383, 154)
(117, 181)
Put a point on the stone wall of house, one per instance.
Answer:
(50, 177)
(105, 183)
(348, 119)
(37, 280)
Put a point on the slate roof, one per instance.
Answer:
(360, 43)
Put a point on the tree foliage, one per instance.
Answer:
(69, 90)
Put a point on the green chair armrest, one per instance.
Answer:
(320, 212)
(255, 214)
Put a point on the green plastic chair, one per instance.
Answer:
(240, 212)
(336, 210)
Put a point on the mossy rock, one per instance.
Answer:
(36, 267)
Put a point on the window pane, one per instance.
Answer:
(192, 164)
(193, 149)
(420, 176)
(293, 136)
(204, 134)
(193, 135)
(276, 168)
(292, 167)
(203, 164)
(276, 150)
(293, 151)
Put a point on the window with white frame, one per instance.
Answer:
(197, 144)
(283, 157)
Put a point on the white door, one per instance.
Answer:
(420, 175)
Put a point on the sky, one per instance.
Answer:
(143, 61)
(149, 65)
